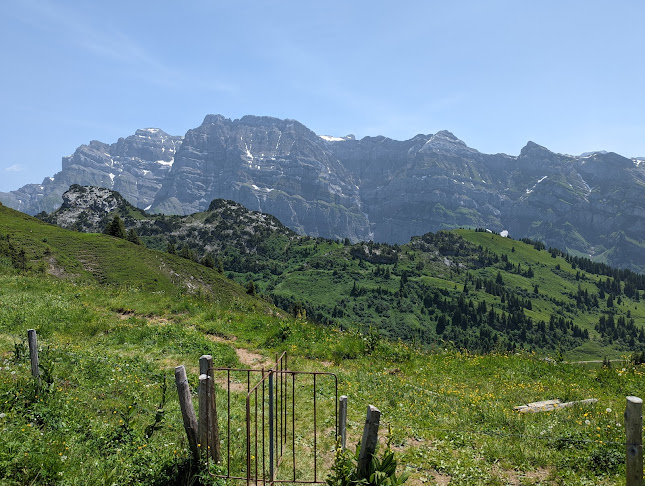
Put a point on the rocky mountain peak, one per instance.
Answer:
(276, 166)
(214, 119)
(259, 121)
(156, 133)
(267, 122)
(588, 154)
(447, 136)
(375, 188)
(331, 138)
(446, 142)
(97, 145)
(532, 149)
(610, 163)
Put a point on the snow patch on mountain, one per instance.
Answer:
(530, 190)
(331, 139)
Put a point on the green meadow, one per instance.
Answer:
(114, 319)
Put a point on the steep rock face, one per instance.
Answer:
(430, 181)
(373, 188)
(593, 205)
(274, 166)
(135, 166)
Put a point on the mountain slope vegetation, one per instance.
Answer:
(462, 289)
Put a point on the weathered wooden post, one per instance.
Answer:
(33, 354)
(271, 428)
(342, 421)
(187, 410)
(203, 425)
(634, 442)
(369, 440)
(206, 368)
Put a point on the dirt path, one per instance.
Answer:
(252, 360)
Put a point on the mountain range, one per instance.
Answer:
(375, 188)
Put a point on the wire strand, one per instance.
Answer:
(494, 433)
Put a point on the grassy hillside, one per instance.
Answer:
(463, 290)
(114, 319)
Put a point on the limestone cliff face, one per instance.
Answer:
(431, 181)
(374, 188)
(274, 166)
(134, 166)
(592, 204)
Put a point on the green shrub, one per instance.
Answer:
(381, 470)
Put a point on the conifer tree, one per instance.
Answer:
(250, 288)
(116, 228)
(208, 261)
(133, 236)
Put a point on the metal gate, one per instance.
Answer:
(272, 427)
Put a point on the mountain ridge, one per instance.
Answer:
(374, 188)
(478, 290)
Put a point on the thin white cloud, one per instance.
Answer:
(113, 45)
(14, 168)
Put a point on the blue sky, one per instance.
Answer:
(569, 75)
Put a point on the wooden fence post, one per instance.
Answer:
(187, 410)
(634, 442)
(33, 354)
(203, 429)
(369, 440)
(206, 368)
(342, 421)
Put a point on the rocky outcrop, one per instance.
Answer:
(224, 225)
(86, 208)
(375, 188)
